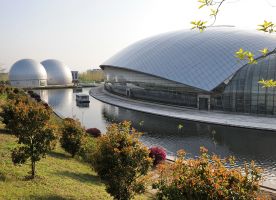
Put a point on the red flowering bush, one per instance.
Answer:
(94, 132)
(158, 155)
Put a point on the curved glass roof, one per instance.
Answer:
(202, 60)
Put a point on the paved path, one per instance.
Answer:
(229, 119)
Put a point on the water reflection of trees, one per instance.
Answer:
(244, 143)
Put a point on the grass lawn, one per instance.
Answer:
(58, 177)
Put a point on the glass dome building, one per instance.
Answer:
(27, 73)
(197, 70)
(57, 72)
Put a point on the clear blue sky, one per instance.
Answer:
(84, 33)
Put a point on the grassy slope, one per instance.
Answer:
(59, 177)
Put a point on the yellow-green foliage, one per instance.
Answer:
(92, 76)
(207, 177)
(122, 161)
(72, 136)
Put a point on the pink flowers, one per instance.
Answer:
(158, 155)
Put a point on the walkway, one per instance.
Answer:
(228, 119)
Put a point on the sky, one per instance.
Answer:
(85, 33)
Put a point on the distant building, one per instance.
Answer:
(75, 76)
(92, 75)
(197, 70)
(28, 73)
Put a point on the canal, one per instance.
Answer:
(173, 134)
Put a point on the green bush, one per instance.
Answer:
(72, 135)
(121, 160)
(88, 148)
(207, 177)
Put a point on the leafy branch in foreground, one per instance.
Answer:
(246, 55)
(200, 25)
(267, 27)
(214, 7)
(267, 83)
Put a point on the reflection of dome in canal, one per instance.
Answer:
(60, 98)
(27, 73)
(58, 73)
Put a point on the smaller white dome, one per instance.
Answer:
(57, 72)
(27, 69)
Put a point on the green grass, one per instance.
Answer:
(58, 177)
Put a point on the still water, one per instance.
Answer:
(244, 144)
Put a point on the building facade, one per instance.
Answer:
(197, 70)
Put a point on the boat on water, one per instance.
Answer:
(82, 98)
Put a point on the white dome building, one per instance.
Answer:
(57, 72)
(27, 73)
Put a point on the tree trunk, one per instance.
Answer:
(33, 170)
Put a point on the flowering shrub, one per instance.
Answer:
(122, 161)
(30, 92)
(35, 96)
(157, 154)
(207, 178)
(46, 105)
(94, 132)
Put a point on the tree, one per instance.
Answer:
(72, 135)
(121, 160)
(29, 122)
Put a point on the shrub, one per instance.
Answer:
(46, 105)
(122, 161)
(207, 177)
(30, 92)
(94, 132)
(72, 134)
(157, 154)
(88, 149)
(15, 90)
